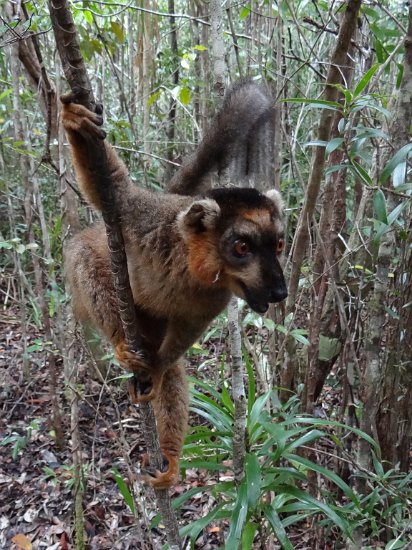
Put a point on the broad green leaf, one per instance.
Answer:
(277, 527)
(369, 133)
(194, 528)
(6, 93)
(248, 535)
(304, 439)
(124, 490)
(253, 480)
(399, 156)
(226, 399)
(305, 497)
(244, 12)
(361, 172)
(252, 387)
(316, 103)
(20, 248)
(204, 465)
(200, 48)
(184, 95)
(364, 81)
(297, 335)
(379, 205)
(153, 98)
(329, 474)
(392, 217)
(399, 175)
(117, 29)
(397, 544)
(257, 409)
(88, 16)
(238, 518)
(328, 348)
(334, 144)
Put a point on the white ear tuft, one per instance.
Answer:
(200, 216)
(275, 196)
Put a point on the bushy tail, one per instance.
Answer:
(246, 108)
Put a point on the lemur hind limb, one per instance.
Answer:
(186, 256)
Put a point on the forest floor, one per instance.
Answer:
(36, 478)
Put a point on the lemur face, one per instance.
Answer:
(235, 238)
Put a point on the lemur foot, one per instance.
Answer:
(143, 386)
(77, 118)
(164, 478)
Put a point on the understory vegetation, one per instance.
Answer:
(300, 433)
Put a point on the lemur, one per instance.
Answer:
(188, 251)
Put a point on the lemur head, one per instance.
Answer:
(234, 239)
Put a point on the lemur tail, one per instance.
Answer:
(245, 108)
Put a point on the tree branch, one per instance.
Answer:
(76, 74)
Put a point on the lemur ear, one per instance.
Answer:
(199, 217)
(275, 196)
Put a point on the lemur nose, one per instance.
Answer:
(278, 294)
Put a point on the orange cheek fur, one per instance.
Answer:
(204, 264)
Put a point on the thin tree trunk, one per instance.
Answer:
(387, 384)
(75, 71)
(339, 60)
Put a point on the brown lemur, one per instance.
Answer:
(188, 250)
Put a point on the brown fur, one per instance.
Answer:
(182, 266)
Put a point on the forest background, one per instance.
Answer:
(325, 461)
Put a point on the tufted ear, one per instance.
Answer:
(275, 196)
(199, 217)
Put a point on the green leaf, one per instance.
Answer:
(328, 348)
(184, 95)
(305, 497)
(361, 172)
(238, 518)
(316, 103)
(248, 535)
(329, 474)
(399, 175)
(117, 29)
(88, 16)
(253, 480)
(200, 48)
(396, 212)
(124, 490)
(379, 205)
(297, 335)
(20, 248)
(244, 12)
(277, 526)
(194, 528)
(304, 439)
(256, 410)
(364, 81)
(397, 544)
(398, 157)
(334, 144)
(6, 92)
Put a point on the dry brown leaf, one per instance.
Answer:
(22, 542)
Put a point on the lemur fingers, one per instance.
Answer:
(77, 118)
(144, 385)
(164, 478)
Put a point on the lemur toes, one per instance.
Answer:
(144, 384)
(164, 478)
(141, 390)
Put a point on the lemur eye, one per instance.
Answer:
(241, 248)
(280, 246)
